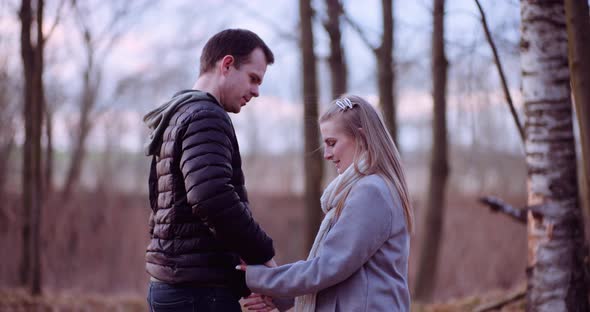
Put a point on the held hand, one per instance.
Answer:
(243, 266)
(271, 263)
(260, 303)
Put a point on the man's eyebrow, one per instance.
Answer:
(256, 77)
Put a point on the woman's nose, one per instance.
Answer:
(327, 154)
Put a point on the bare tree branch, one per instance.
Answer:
(359, 31)
(55, 22)
(497, 205)
(243, 6)
(119, 18)
(500, 72)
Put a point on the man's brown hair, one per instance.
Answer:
(238, 43)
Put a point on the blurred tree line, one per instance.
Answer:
(554, 41)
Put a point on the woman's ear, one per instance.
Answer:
(363, 137)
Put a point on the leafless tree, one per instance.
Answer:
(32, 57)
(312, 157)
(97, 44)
(439, 166)
(385, 66)
(337, 58)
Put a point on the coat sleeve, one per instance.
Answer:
(206, 165)
(364, 225)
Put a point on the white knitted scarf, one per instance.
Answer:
(332, 195)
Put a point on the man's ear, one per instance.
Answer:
(226, 62)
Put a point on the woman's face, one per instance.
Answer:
(339, 147)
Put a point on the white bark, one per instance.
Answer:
(556, 270)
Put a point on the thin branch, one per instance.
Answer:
(243, 6)
(85, 30)
(497, 205)
(500, 71)
(119, 18)
(359, 31)
(56, 22)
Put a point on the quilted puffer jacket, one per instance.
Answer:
(200, 223)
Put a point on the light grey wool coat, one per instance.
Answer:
(362, 263)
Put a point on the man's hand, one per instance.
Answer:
(258, 302)
(271, 263)
(243, 266)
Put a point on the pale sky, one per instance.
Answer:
(164, 43)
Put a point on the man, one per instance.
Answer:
(200, 225)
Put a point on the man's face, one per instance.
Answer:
(239, 85)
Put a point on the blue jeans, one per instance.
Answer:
(164, 297)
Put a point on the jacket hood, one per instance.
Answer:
(157, 120)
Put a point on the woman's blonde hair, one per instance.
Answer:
(361, 121)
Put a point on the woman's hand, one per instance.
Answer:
(260, 303)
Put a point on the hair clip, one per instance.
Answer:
(344, 103)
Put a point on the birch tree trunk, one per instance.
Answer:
(439, 166)
(556, 271)
(312, 157)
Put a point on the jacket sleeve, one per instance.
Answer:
(206, 165)
(363, 227)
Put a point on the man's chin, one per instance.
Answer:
(233, 109)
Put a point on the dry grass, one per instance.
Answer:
(17, 300)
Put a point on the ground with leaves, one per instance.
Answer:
(18, 300)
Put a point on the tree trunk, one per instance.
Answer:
(578, 29)
(439, 167)
(312, 157)
(386, 73)
(337, 63)
(385, 67)
(556, 271)
(32, 56)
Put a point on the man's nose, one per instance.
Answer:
(254, 91)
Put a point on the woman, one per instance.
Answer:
(359, 258)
